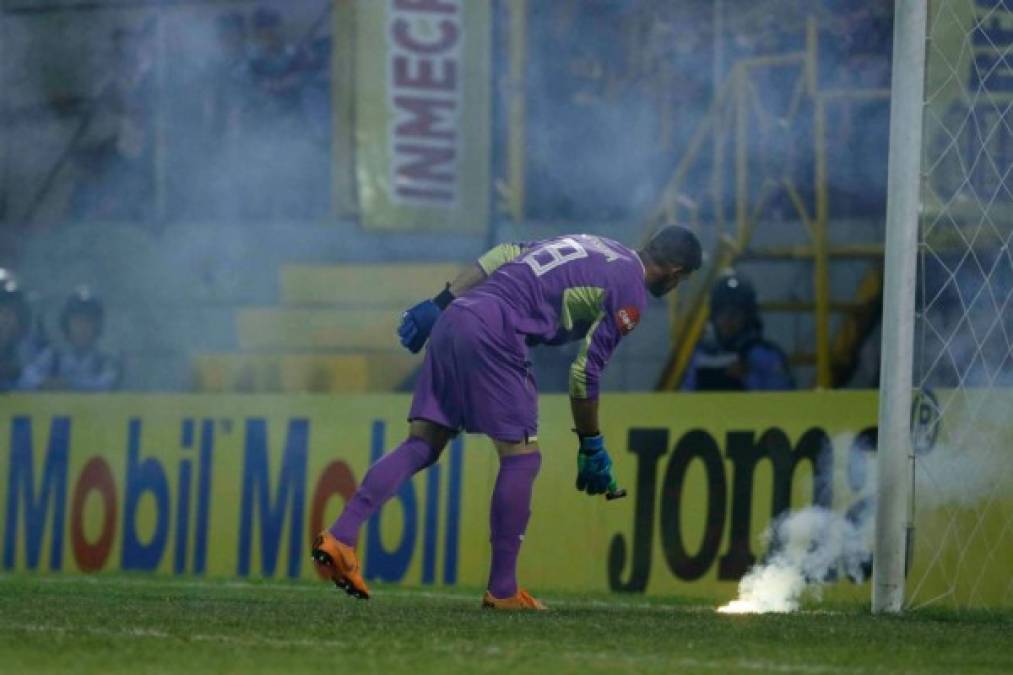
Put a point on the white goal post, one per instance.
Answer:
(895, 454)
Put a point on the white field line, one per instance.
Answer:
(155, 582)
(154, 634)
(141, 633)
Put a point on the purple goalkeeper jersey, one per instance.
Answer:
(574, 287)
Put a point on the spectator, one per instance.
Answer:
(863, 367)
(114, 152)
(587, 113)
(316, 94)
(855, 53)
(227, 98)
(81, 365)
(276, 67)
(23, 355)
(736, 356)
(278, 181)
(229, 75)
(856, 44)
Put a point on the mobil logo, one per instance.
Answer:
(38, 483)
(195, 496)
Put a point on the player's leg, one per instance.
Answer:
(502, 403)
(508, 519)
(432, 424)
(334, 548)
(385, 477)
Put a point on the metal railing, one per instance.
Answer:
(728, 123)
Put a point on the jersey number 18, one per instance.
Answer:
(562, 251)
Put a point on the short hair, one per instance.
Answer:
(676, 246)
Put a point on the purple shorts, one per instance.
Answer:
(476, 375)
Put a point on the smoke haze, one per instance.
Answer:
(812, 547)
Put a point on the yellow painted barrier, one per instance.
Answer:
(393, 285)
(268, 328)
(346, 373)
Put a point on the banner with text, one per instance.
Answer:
(238, 485)
(423, 114)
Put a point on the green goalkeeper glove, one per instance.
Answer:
(594, 466)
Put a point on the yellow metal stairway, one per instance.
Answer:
(739, 130)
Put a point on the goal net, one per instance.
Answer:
(962, 491)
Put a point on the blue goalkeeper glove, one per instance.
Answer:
(417, 323)
(594, 466)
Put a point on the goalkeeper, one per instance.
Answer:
(476, 377)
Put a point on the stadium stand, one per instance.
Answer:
(334, 332)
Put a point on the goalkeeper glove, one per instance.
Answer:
(594, 466)
(417, 323)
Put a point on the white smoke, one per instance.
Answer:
(810, 548)
(972, 461)
(815, 546)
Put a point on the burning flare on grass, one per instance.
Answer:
(808, 549)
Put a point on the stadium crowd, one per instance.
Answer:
(247, 123)
(244, 126)
(636, 94)
(235, 123)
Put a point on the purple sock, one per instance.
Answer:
(508, 518)
(382, 480)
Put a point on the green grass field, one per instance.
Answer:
(125, 624)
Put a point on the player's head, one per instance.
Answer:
(15, 315)
(81, 319)
(670, 255)
(733, 307)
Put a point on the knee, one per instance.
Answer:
(510, 449)
(433, 435)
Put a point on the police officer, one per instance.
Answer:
(735, 356)
(23, 355)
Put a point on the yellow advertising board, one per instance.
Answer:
(238, 485)
(422, 113)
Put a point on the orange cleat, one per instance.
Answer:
(337, 562)
(522, 600)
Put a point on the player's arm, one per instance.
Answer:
(418, 322)
(500, 255)
(594, 465)
(487, 263)
(585, 416)
(38, 371)
(105, 379)
(468, 278)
